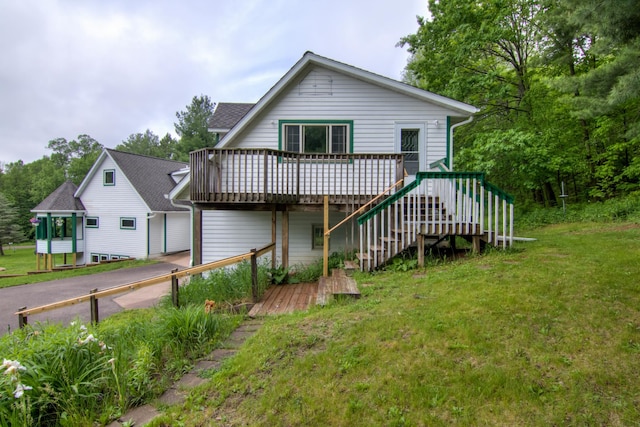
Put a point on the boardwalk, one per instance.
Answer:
(286, 299)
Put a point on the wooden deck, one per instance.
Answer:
(282, 299)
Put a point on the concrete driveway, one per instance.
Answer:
(37, 294)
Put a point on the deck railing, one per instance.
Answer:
(435, 204)
(272, 176)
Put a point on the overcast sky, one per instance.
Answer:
(112, 68)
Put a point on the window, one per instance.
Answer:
(109, 177)
(317, 137)
(96, 258)
(317, 241)
(128, 223)
(92, 222)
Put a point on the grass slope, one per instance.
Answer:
(545, 334)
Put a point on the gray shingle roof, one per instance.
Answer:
(61, 200)
(150, 176)
(227, 114)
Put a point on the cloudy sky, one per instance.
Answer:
(112, 68)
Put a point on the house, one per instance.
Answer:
(381, 151)
(120, 210)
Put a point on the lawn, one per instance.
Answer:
(545, 334)
(21, 261)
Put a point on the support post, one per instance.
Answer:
(421, 250)
(477, 247)
(22, 319)
(285, 239)
(254, 275)
(175, 296)
(94, 306)
(274, 223)
(325, 246)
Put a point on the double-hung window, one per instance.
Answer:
(317, 137)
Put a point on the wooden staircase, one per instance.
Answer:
(434, 206)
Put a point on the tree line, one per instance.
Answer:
(24, 185)
(558, 84)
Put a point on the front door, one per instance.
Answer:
(411, 141)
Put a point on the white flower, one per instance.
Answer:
(12, 366)
(88, 339)
(83, 328)
(20, 389)
(112, 361)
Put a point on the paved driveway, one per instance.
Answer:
(36, 294)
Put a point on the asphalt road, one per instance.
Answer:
(37, 294)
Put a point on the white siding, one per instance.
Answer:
(109, 204)
(178, 236)
(374, 111)
(230, 233)
(156, 234)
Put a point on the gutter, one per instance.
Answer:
(469, 120)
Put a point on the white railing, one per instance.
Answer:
(436, 204)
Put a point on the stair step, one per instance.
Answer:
(363, 257)
(389, 239)
(337, 284)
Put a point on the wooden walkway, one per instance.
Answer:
(281, 299)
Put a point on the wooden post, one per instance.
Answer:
(197, 236)
(325, 246)
(285, 239)
(477, 247)
(421, 250)
(22, 319)
(254, 275)
(274, 223)
(93, 301)
(175, 296)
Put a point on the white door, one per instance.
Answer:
(411, 140)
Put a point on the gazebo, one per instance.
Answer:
(59, 228)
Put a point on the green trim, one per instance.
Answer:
(122, 218)
(316, 122)
(74, 233)
(164, 235)
(104, 177)
(447, 160)
(49, 232)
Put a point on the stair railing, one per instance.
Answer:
(435, 204)
(328, 231)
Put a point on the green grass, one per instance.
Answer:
(21, 261)
(545, 334)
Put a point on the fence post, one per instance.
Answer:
(254, 275)
(175, 297)
(22, 319)
(94, 306)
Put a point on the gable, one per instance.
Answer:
(149, 178)
(313, 76)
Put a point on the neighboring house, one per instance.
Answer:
(120, 210)
(331, 129)
(225, 116)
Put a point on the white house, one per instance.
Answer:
(120, 210)
(331, 129)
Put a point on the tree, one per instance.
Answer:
(10, 230)
(149, 144)
(75, 157)
(193, 127)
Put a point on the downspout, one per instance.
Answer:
(451, 129)
(190, 209)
